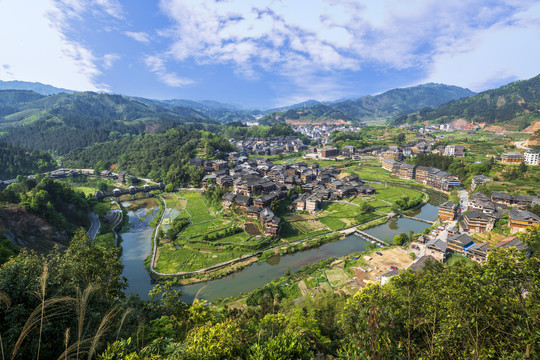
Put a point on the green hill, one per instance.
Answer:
(397, 101)
(375, 108)
(39, 88)
(62, 122)
(515, 105)
(16, 161)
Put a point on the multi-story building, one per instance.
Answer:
(389, 164)
(532, 157)
(522, 220)
(421, 173)
(460, 243)
(479, 252)
(447, 211)
(477, 222)
(454, 150)
(407, 171)
(328, 152)
(479, 180)
(512, 158)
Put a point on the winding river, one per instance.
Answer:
(137, 245)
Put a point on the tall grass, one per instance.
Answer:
(86, 341)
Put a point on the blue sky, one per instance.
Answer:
(267, 53)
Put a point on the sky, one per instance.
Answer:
(267, 53)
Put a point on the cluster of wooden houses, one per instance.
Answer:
(270, 146)
(459, 243)
(256, 183)
(427, 176)
(484, 211)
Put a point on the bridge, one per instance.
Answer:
(370, 237)
(417, 219)
(354, 230)
(131, 191)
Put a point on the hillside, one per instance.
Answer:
(39, 88)
(398, 101)
(16, 161)
(41, 214)
(375, 108)
(62, 122)
(318, 113)
(515, 105)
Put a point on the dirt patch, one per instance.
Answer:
(205, 251)
(532, 128)
(362, 278)
(390, 257)
(252, 229)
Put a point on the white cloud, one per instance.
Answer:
(157, 66)
(36, 50)
(325, 36)
(504, 52)
(109, 59)
(138, 36)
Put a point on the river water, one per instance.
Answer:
(137, 246)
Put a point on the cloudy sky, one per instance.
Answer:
(266, 53)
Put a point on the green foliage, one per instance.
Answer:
(66, 284)
(401, 239)
(16, 161)
(176, 227)
(63, 122)
(214, 194)
(7, 249)
(499, 105)
(56, 202)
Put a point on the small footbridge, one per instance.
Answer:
(368, 237)
(417, 219)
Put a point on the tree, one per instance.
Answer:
(400, 239)
(400, 138)
(169, 188)
(522, 168)
(102, 186)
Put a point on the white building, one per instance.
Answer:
(531, 157)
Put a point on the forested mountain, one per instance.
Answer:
(62, 122)
(515, 104)
(16, 161)
(161, 157)
(40, 88)
(397, 101)
(383, 106)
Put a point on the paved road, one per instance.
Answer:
(464, 196)
(519, 145)
(94, 225)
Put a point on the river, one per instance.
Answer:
(137, 245)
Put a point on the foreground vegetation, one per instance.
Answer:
(470, 311)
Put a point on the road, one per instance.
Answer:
(519, 145)
(94, 225)
(464, 196)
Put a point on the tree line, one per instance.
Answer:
(16, 161)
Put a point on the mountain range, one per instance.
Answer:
(369, 108)
(64, 121)
(512, 107)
